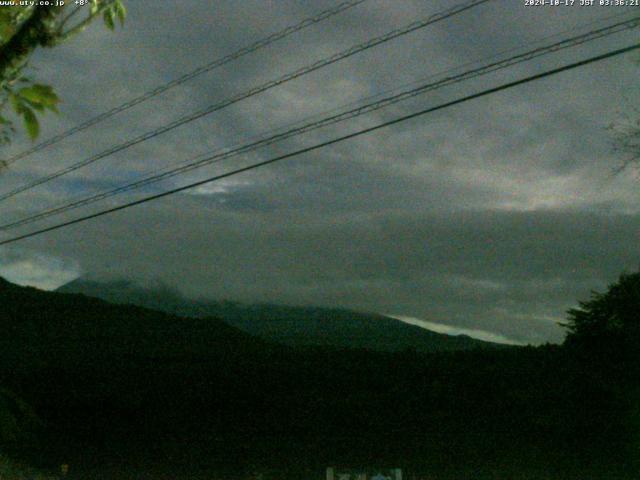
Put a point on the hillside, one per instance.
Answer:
(51, 325)
(128, 392)
(287, 325)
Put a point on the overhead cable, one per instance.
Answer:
(327, 143)
(307, 22)
(254, 91)
(203, 160)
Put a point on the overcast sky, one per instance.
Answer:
(495, 215)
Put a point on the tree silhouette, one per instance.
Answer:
(602, 342)
(611, 317)
(625, 135)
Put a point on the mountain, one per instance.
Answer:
(287, 325)
(124, 391)
(50, 324)
(120, 375)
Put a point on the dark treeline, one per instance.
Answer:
(121, 390)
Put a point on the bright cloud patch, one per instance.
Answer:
(37, 270)
(221, 187)
(452, 330)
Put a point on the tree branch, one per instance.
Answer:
(67, 18)
(37, 30)
(64, 36)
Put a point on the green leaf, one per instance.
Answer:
(121, 11)
(40, 97)
(30, 94)
(6, 32)
(46, 93)
(16, 102)
(36, 106)
(109, 19)
(53, 108)
(31, 123)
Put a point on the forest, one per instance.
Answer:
(120, 391)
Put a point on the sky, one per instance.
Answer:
(494, 216)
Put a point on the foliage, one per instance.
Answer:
(9, 470)
(124, 382)
(602, 342)
(17, 418)
(625, 133)
(22, 30)
(18, 426)
(25, 102)
(610, 316)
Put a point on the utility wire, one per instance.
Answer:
(206, 159)
(381, 94)
(330, 142)
(254, 91)
(307, 22)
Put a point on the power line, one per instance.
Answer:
(329, 142)
(203, 159)
(264, 42)
(254, 91)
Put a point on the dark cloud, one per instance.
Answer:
(495, 215)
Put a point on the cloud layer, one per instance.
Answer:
(452, 330)
(495, 215)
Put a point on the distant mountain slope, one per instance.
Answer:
(51, 326)
(293, 326)
(125, 389)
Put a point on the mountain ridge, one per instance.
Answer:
(294, 326)
(124, 387)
